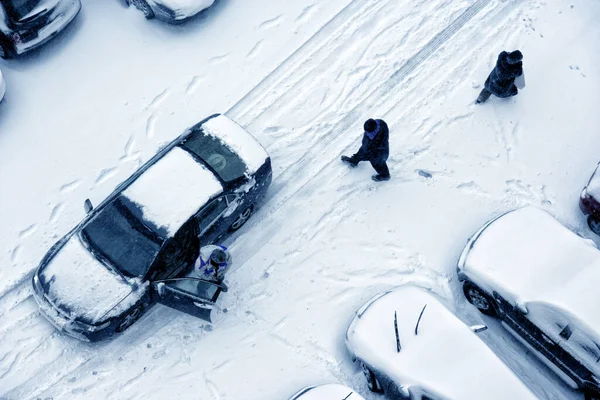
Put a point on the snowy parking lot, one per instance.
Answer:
(85, 111)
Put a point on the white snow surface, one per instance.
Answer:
(173, 189)
(439, 358)
(84, 112)
(185, 8)
(593, 186)
(331, 391)
(528, 256)
(80, 282)
(240, 141)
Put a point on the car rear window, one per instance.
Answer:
(18, 9)
(216, 154)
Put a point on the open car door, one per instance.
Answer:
(193, 296)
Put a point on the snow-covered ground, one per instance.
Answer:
(84, 112)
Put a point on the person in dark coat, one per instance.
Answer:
(501, 81)
(375, 148)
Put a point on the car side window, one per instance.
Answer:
(210, 213)
(581, 345)
(177, 253)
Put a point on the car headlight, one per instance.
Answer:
(37, 285)
(89, 328)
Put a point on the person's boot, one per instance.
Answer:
(483, 96)
(349, 161)
(379, 178)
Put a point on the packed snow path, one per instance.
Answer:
(328, 238)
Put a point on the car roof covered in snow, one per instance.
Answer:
(444, 357)
(170, 191)
(332, 391)
(240, 141)
(528, 256)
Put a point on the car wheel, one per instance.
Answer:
(144, 7)
(372, 382)
(129, 319)
(590, 396)
(594, 224)
(241, 219)
(479, 299)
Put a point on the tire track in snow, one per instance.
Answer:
(158, 317)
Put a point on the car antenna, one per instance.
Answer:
(398, 346)
(419, 320)
(347, 397)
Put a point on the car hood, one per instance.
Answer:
(81, 287)
(185, 8)
(439, 355)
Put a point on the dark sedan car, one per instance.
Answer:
(138, 247)
(27, 24)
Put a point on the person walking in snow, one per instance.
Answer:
(506, 78)
(212, 263)
(375, 148)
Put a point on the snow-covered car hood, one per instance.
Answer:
(526, 255)
(184, 8)
(439, 358)
(332, 391)
(75, 282)
(238, 139)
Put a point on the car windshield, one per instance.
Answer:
(18, 9)
(216, 154)
(119, 235)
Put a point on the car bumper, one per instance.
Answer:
(62, 16)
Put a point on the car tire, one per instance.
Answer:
(594, 224)
(144, 7)
(129, 319)
(372, 382)
(481, 300)
(241, 219)
(587, 395)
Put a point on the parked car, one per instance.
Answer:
(542, 281)
(2, 87)
(410, 346)
(171, 11)
(27, 24)
(332, 391)
(138, 246)
(589, 201)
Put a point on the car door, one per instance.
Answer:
(177, 254)
(193, 296)
(579, 350)
(209, 220)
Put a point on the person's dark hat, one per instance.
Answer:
(514, 57)
(370, 125)
(218, 257)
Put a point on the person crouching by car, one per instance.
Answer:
(212, 263)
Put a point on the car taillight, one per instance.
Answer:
(16, 38)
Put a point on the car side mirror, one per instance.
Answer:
(87, 206)
(478, 328)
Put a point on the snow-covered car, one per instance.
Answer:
(332, 391)
(139, 245)
(27, 24)
(589, 201)
(171, 11)
(410, 346)
(541, 280)
(2, 87)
